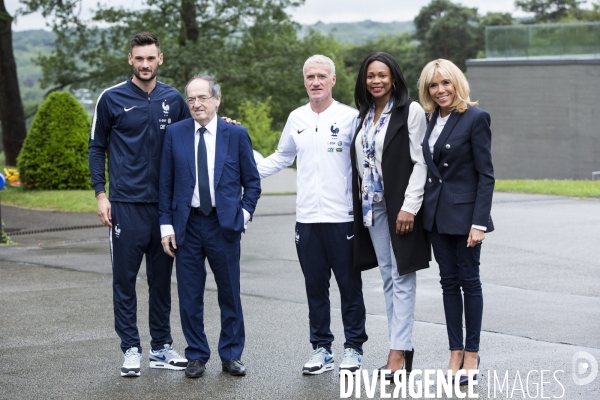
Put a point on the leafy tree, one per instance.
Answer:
(250, 47)
(11, 107)
(495, 18)
(256, 119)
(548, 10)
(55, 154)
(448, 30)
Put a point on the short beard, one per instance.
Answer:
(137, 74)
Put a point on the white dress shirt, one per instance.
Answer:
(210, 140)
(417, 125)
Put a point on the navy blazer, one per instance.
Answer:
(235, 169)
(460, 181)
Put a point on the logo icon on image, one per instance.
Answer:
(584, 368)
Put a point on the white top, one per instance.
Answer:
(436, 131)
(210, 140)
(417, 125)
(324, 175)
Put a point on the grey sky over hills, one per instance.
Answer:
(310, 13)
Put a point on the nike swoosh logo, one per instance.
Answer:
(129, 109)
(161, 357)
(300, 131)
(327, 360)
(349, 237)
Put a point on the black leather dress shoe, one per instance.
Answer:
(195, 369)
(234, 368)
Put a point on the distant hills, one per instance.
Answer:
(360, 32)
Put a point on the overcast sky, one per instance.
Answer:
(311, 12)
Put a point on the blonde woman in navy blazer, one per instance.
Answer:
(457, 201)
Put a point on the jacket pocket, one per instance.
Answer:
(462, 198)
(458, 137)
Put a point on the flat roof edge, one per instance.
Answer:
(489, 62)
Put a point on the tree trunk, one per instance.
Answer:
(191, 32)
(11, 107)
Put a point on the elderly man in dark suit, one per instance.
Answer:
(203, 210)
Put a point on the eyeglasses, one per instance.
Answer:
(201, 99)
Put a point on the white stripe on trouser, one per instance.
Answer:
(399, 291)
(111, 246)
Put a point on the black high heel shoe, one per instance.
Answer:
(408, 360)
(464, 379)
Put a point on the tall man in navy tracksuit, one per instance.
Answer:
(129, 124)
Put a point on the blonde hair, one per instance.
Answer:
(449, 71)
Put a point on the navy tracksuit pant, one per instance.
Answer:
(135, 233)
(322, 248)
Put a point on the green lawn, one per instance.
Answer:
(60, 200)
(554, 187)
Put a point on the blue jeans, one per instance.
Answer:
(459, 268)
(399, 291)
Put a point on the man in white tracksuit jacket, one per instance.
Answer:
(319, 134)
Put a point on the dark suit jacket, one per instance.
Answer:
(460, 181)
(413, 250)
(235, 169)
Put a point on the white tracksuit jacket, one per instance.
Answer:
(324, 177)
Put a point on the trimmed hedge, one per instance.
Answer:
(55, 151)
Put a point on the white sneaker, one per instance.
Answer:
(320, 361)
(167, 358)
(352, 360)
(131, 363)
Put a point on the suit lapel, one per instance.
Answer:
(188, 146)
(222, 145)
(454, 116)
(396, 122)
(426, 152)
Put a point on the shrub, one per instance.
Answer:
(55, 153)
(256, 118)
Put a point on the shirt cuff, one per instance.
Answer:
(246, 217)
(166, 230)
(481, 228)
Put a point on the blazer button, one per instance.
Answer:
(445, 164)
(192, 186)
(448, 146)
(429, 180)
(189, 206)
(440, 181)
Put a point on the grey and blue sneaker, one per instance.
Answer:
(352, 360)
(167, 358)
(320, 361)
(131, 362)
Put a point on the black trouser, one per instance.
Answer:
(322, 248)
(135, 233)
(459, 269)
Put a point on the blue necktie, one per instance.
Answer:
(203, 183)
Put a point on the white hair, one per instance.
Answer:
(319, 59)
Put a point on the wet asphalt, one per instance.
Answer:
(541, 281)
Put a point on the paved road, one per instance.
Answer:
(541, 277)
